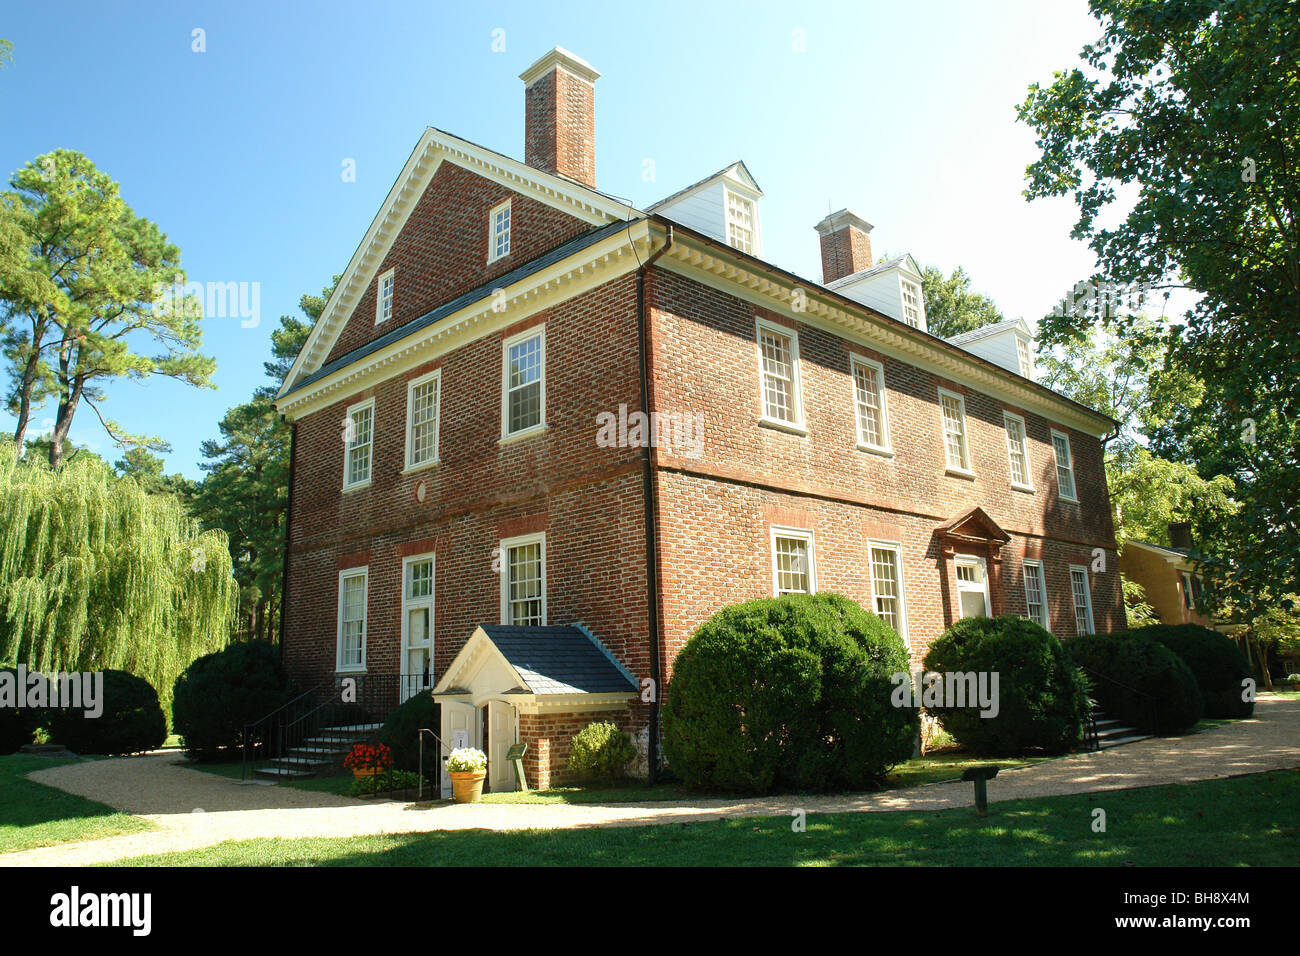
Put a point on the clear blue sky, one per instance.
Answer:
(903, 112)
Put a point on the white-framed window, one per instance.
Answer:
(870, 404)
(740, 222)
(523, 580)
(1035, 592)
(417, 624)
(1064, 466)
(384, 297)
(354, 589)
(1018, 451)
(793, 562)
(423, 414)
(1082, 597)
(887, 601)
(358, 441)
(1024, 357)
(499, 231)
(972, 586)
(778, 364)
(1191, 589)
(913, 303)
(523, 385)
(955, 449)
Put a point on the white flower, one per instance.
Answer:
(466, 760)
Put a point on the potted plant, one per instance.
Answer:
(467, 768)
(368, 760)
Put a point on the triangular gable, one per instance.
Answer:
(479, 652)
(435, 147)
(738, 168)
(973, 526)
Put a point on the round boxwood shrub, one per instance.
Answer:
(1217, 662)
(219, 693)
(791, 692)
(1145, 666)
(17, 724)
(1041, 696)
(600, 750)
(401, 732)
(131, 720)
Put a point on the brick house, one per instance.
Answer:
(531, 415)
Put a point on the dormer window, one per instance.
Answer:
(499, 232)
(740, 222)
(1026, 360)
(913, 307)
(384, 298)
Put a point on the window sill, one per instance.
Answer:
(1068, 501)
(526, 433)
(876, 450)
(959, 473)
(356, 487)
(794, 428)
(350, 670)
(423, 466)
(1028, 489)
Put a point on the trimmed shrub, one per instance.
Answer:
(131, 720)
(791, 692)
(1145, 666)
(17, 724)
(600, 750)
(400, 732)
(1217, 662)
(218, 694)
(1041, 698)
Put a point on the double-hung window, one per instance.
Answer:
(740, 222)
(869, 404)
(417, 624)
(778, 357)
(523, 383)
(358, 441)
(1018, 451)
(1064, 466)
(499, 232)
(523, 580)
(955, 449)
(1035, 592)
(384, 297)
(353, 592)
(1025, 359)
(887, 584)
(423, 411)
(972, 587)
(792, 562)
(1082, 597)
(913, 309)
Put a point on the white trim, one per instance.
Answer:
(796, 382)
(370, 447)
(965, 468)
(379, 296)
(877, 544)
(756, 245)
(505, 545)
(1074, 480)
(798, 534)
(411, 386)
(1028, 483)
(1087, 595)
(492, 255)
(882, 405)
(409, 604)
(973, 561)
(1041, 577)
(362, 571)
(532, 332)
(904, 284)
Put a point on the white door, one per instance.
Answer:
(417, 625)
(502, 731)
(458, 720)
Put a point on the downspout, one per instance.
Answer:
(284, 565)
(647, 495)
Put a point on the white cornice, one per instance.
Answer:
(559, 57)
(433, 148)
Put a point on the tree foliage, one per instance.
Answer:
(951, 307)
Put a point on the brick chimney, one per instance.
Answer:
(846, 245)
(560, 116)
(1180, 535)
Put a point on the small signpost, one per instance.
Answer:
(516, 756)
(981, 775)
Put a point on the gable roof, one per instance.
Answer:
(904, 261)
(993, 328)
(435, 147)
(973, 525)
(742, 173)
(560, 660)
(1172, 555)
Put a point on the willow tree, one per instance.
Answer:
(96, 573)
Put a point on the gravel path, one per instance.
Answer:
(162, 789)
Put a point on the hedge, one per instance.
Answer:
(218, 694)
(1145, 666)
(130, 721)
(17, 724)
(1218, 664)
(400, 732)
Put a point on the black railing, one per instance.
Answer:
(1122, 702)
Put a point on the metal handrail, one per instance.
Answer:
(420, 732)
(1147, 702)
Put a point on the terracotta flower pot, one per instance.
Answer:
(365, 772)
(467, 785)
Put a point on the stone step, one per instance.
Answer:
(322, 752)
(1107, 742)
(352, 729)
(300, 763)
(284, 773)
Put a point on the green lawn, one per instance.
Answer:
(340, 784)
(1234, 822)
(33, 815)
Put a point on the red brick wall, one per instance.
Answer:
(546, 762)
(560, 126)
(845, 251)
(442, 250)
